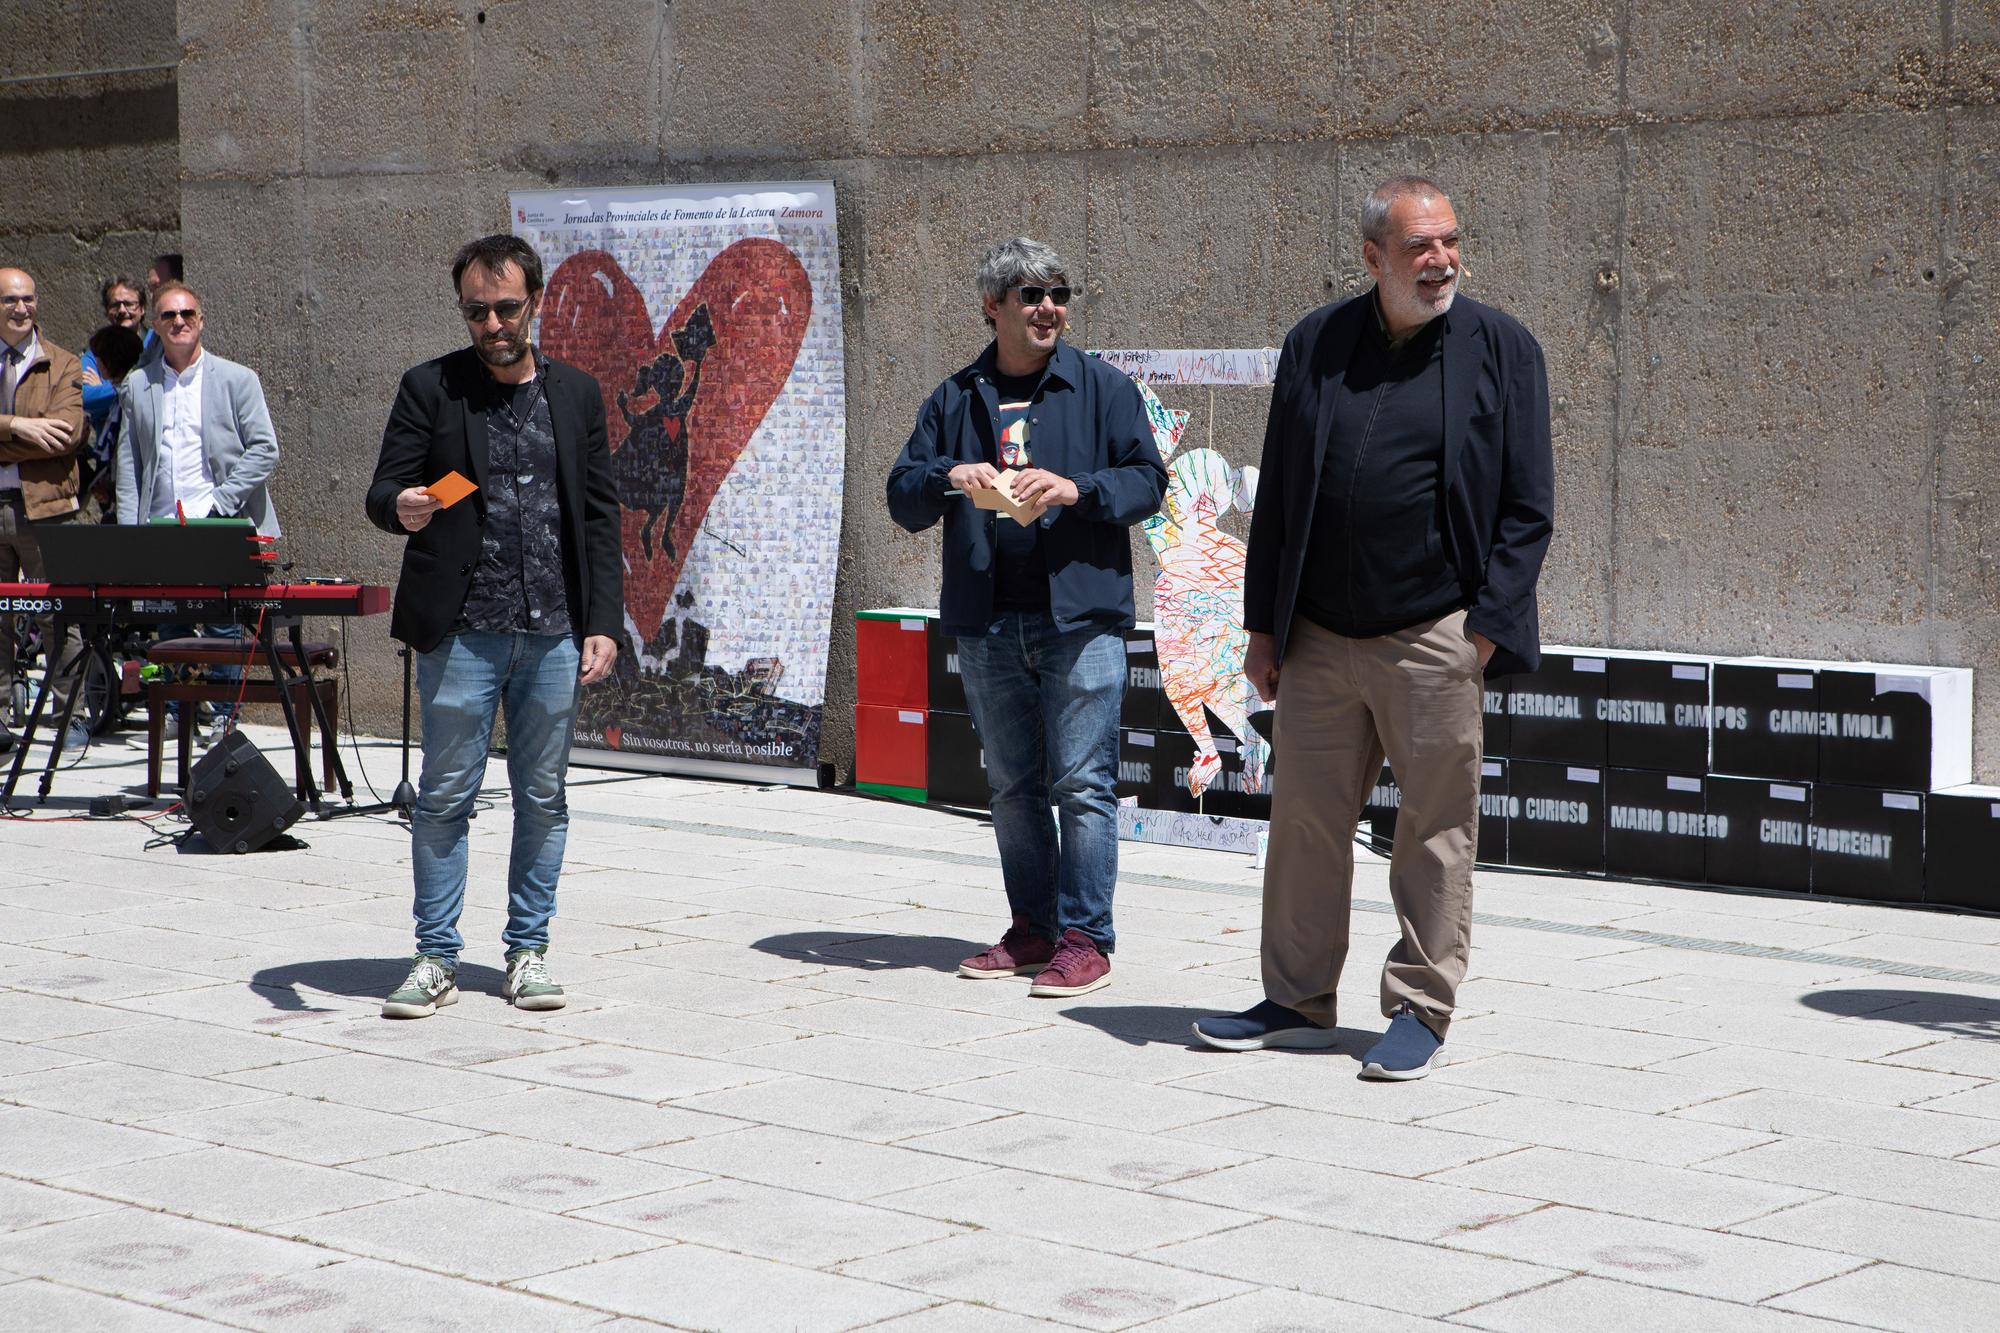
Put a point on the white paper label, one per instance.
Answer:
(1583, 775)
(1994, 810)
(1896, 800)
(1490, 770)
(907, 715)
(1683, 784)
(1141, 738)
(1783, 793)
(1794, 680)
(1225, 745)
(1138, 647)
(1690, 671)
(1592, 665)
(915, 625)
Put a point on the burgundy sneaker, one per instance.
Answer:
(1077, 969)
(1020, 952)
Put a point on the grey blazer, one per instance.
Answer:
(236, 436)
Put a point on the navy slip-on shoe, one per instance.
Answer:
(1407, 1050)
(1264, 1024)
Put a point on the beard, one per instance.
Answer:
(1412, 303)
(502, 349)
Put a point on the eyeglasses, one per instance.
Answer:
(1030, 294)
(171, 316)
(122, 305)
(475, 312)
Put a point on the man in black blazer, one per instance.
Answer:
(512, 597)
(1404, 507)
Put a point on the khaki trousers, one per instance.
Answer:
(1342, 705)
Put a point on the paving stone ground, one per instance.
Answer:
(772, 1106)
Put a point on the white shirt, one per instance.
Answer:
(10, 473)
(183, 462)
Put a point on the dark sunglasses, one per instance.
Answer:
(170, 316)
(475, 312)
(1030, 294)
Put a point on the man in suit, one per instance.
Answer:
(195, 437)
(512, 597)
(1404, 507)
(41, 432)
(194, 441)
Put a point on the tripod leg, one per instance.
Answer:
(329, 737)
(51, 672)
(404, 799)
(308, 790)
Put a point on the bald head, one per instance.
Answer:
(17, 305)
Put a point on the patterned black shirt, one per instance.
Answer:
(518, 585)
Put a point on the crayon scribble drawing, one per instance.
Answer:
(1198, 599)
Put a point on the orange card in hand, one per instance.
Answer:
(449, 489)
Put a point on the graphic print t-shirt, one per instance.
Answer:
(1020, 574)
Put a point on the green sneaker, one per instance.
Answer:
(432, 984)
(528, 985)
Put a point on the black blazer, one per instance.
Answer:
(1499, 471)
(438, 425)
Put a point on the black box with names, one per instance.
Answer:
(1496, 812)
(1656, 825)
(1766, 720)
(1962, 848)
(1145, 705)
(1656, 711)
(1867, 843)
(1760, 834)
(947, 686)
(1558, 816)
(956, 761)
(1555, 714)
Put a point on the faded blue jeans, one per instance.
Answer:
(463, 683)
(1046, 706)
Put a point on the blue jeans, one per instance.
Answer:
(1046, 705)
(463, 683)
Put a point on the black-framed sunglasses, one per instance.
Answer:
(1032, 293)
(171, 316)
(475, 312)
(124, 305)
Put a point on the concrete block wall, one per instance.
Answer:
(1761, 253)
(91, 163)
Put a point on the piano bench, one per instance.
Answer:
(247, 654)
(235, 652)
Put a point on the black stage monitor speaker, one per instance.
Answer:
(237, 800)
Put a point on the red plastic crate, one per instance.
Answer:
(892, 659)
(889, 746)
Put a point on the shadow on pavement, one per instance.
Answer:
(370, 978)
(1973, 1016)
(871, 953)
(1173, 1025)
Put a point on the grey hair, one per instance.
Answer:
(1375, 208)
(1008, 264)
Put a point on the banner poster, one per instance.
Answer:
(1198, 627)
(710, 316)
(1196, 365)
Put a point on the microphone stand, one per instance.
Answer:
(404, 799)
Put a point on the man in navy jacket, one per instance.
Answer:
(1404, 507)
(1039, 609)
